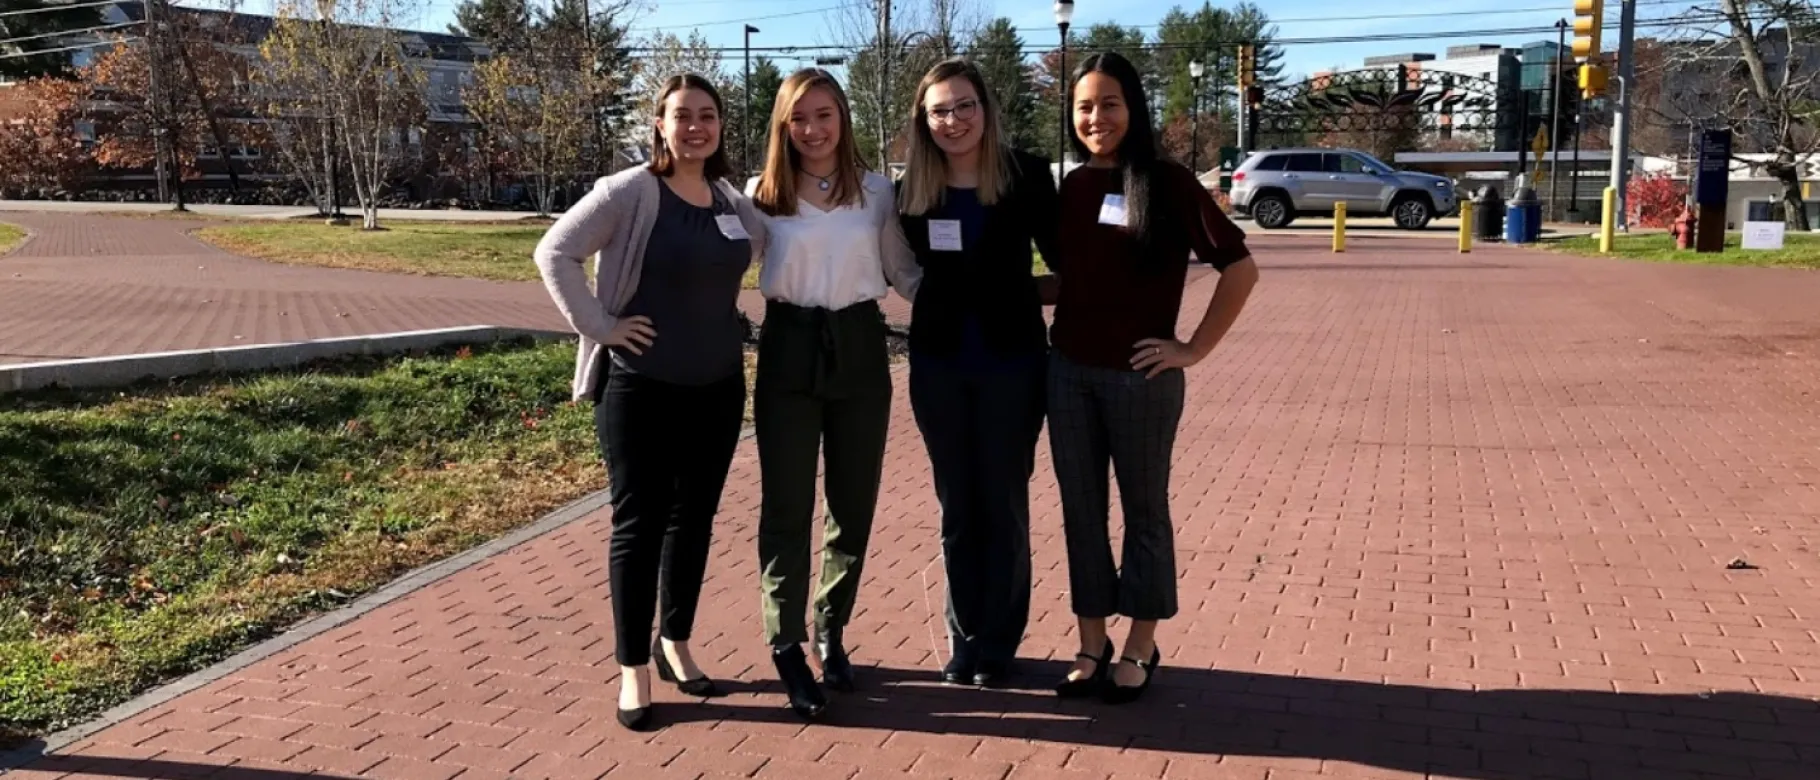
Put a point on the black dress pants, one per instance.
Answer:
(668, 448)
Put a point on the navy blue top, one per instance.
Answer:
(981, 305)
(690, 290)
(962, 204)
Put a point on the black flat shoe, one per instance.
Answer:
(702, 686)
(799, 681)
(1091, 684)
(959, 671)
(1126, 694)
(636, 720)
(837, 670)
(993, 674)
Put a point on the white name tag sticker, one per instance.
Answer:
(731, 227)
(1112, 211)
(945, 235)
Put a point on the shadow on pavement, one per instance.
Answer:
(154, 769)
(1483, 735)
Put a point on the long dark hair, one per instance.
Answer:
(1139, 155)
(663, 161)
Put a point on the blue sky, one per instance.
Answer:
(811, 22)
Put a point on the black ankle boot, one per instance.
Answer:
(799, 681)
(837, 670)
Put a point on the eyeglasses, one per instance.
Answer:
(964, 111)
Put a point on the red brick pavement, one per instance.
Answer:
(1444, 516)
(97, 285)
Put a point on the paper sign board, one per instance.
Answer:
(1763, 235)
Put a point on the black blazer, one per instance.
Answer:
(993, 280)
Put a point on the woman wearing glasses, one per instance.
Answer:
(971, 207)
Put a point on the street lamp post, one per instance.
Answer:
(745, 116)
(1064, 15)
(1195, 70)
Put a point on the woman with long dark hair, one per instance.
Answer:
(824, 377)
(663, 357)
(971, 208)
(1116, 384)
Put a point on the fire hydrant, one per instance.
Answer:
(1684, 228)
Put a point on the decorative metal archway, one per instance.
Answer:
(1388, 101)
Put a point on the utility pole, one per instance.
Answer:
(745, 116)
(1554, 117)
(1620, 143)
(164, 102)
(155, 100)
(887, 50)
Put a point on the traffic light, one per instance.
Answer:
(1254, 96)
(1248, 65)
(1589, 20)
(1592, 80)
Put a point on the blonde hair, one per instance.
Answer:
(776, 191)
(925, 182)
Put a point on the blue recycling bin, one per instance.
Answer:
(1523, 218)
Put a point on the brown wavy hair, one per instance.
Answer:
(663, 163)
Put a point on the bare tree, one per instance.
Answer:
(370, 92)
(536, 105)
(894, 44)
(1747, 65)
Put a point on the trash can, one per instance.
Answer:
(1488, 214)
(1523, 219)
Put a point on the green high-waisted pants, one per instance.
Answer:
(823, 387)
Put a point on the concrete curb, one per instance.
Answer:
(121, 370)
(406, 585)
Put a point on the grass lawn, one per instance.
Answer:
(9, 237)
(490, 251)
(1798, 251)
(149, 533)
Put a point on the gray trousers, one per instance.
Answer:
(1100, 417)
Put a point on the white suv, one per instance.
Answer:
(1276, 186)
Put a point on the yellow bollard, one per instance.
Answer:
(1339, 226)
(1608, 220)
(1465, 226)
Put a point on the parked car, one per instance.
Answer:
(1276, 186)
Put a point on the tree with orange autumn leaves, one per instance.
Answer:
(202, 92)
(41, 149)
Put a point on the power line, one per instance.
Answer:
(1303, 41)
(68, 33)
(730, 22)
(36, 52)
(56, 8)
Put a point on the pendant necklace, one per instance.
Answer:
(824, 184)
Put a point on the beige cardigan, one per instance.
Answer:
(611, 223)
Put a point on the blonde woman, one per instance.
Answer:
(662, 357)
(824, 384)
(971, 208)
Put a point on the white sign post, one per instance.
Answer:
(1763, 235)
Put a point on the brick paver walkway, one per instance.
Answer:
(90, 285)
(1463, 517)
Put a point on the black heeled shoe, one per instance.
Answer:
(837, 670)
(1091, 684)
(959, 670)
(702, 686)
(994, 674)
(1126, 694)
(799, 681)
(636, 720)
